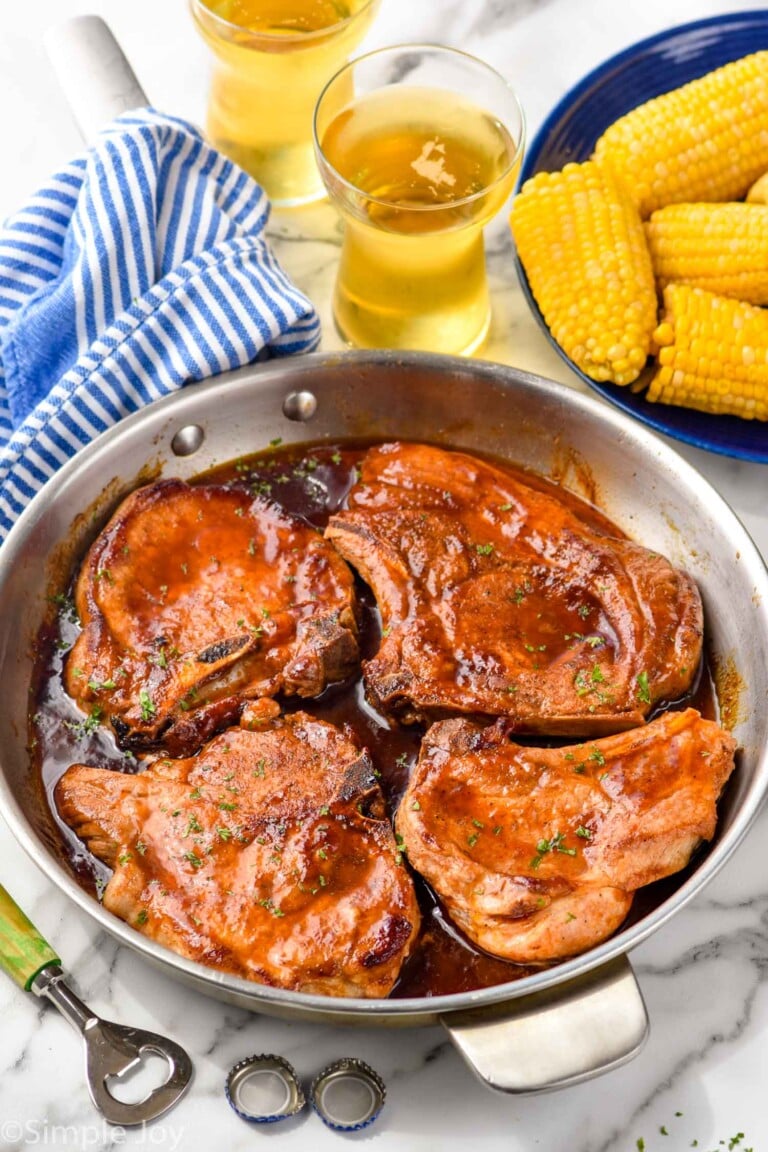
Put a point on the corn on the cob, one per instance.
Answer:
(581, 242)
(720, 247)
(705, 141)
(758, 193)
(713, 354)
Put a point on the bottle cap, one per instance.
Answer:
(264, 1089)
(348, 1095)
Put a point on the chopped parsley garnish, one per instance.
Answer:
(336, 458)
(554, 845)
(225, 806)
(142, 916)
(580, 683)
(505, 507)
(194, 859)
(87, 726)
(583, 832)
(587, 683)
(259, 770)
(643, 690)
(276, 442)
(66, 605)
(583, 610)
(597, 756)
(325, 810)
(472, 840)
(148, 709)
(224, 833)
(271, 907)
(101, 685)
(402, 760)
(141, 847)
(195, 794)
(93, 720)
(484, 549)
(193, 825)
(124, 858)
(415, 807)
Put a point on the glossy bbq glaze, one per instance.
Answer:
(497, 600)
(312, 482)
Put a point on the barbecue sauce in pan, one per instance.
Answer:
(312, 482)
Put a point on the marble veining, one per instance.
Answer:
(704, 976)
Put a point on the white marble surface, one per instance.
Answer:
(704, 976)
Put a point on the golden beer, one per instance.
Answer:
(417, 172)
(271, 59)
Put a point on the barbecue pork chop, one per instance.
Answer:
(536, 852)
(496, 598)
(196, 598)
(267, 855)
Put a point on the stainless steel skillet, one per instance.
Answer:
(581, 1017)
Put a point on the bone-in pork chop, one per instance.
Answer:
(536, 852)
(267, 855)
(196, 598)
(496, 598)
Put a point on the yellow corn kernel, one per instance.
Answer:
(581, 242)
(713, 354)
(705, 141)
(758, 193)
(722, 248)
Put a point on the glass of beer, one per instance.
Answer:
(419, 147)
(271, 58)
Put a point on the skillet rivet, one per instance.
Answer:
(187, 440)
(300, 406)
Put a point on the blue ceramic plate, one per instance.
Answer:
(569, 133)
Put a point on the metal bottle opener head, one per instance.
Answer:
(112, 1050)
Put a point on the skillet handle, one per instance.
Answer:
(558, 1037)
(97, 81)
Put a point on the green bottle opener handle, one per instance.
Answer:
(23, 951)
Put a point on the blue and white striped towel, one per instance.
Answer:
(140, 267)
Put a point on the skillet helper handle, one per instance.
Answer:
(93, 73)
(23, 951)
(558, 1037)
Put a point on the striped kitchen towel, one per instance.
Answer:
(140, 267)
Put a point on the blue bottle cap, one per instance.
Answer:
(264, 1089)
(348, 1095)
